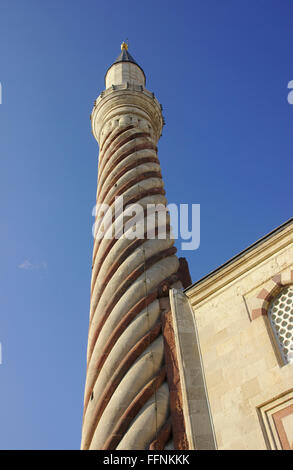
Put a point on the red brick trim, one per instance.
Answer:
(173, 379)
(268, 292)
(264, 294)
(277, 278)
(257, 312)
(163, 436)
(277, 417)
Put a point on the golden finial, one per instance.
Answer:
(124, 46)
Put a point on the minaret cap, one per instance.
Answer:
(122, 72)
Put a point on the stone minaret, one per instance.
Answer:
(127, 390)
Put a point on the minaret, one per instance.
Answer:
(127, 403)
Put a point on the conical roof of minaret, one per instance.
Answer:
(125, 56)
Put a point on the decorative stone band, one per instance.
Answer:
(271, 288)
(126, 404)
(118, 106)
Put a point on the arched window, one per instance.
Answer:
(280, 314)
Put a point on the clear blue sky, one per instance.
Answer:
(220, 70)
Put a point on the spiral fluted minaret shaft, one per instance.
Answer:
(126, 403)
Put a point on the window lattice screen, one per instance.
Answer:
(281, 318)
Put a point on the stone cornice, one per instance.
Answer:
(241, 263)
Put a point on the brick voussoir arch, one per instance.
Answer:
(269, 291)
